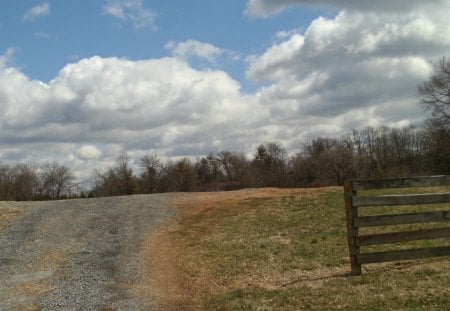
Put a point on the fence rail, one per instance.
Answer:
(353, 203)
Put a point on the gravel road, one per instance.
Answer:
(84, 254)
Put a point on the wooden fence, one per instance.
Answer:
(353, 203)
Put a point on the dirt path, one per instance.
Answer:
(88, 254)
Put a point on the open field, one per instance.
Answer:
(283, 249)
(253, 249)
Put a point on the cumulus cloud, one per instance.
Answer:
(266, 8)
(89, 152)
(36, 12)
(190, 48)
(156, 104)
(357, 64)
(132, 11)
(359, 68)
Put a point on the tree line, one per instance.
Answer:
(368, 153)
(26, 182)
(365, 153)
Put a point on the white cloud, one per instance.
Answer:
(362, 64)
(357, 69)
(266, 8)
(276, 60)
(156, 104)
(89, 152)
(7, 59)
(190, 48)
(37, 11)
(132, 11)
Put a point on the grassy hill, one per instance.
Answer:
(283, 249)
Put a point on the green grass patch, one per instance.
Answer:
(391, 210)
(289, 252)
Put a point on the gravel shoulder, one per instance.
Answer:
(84, 254)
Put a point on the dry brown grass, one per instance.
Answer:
(280, 249)
(37, 284)
(54, 259)
(11, 211)
(8, 215)
(164, 271)
(181, 282)
(32, 289)
(23, 307)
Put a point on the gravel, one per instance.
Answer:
(83, 254)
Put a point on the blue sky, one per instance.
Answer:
(72, 30)
(82, 82)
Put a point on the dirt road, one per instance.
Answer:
(85, 254)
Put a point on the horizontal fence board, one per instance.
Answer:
(395, 237)
(406, 199)
(428, 181)
(355, 202)
(404, 255)
(401, 219)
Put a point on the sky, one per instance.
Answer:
(82, 82)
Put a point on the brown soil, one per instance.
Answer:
(162, 271)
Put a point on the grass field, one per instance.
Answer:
(285, 249)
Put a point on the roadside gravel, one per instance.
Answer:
(84, 254)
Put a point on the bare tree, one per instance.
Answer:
(438, 143)
(5, 183)
(236, 168)
(224, 158)
(24, 182)
(182, 175)
(125, 178)
(209, 172)
(270, 165)
(301, 171)
(435, 97)
(435, 93)
(151, 166)
(331, 160)
(55, 179)
(116, 181)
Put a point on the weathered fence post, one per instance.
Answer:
(352, 231)
(427, 214)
